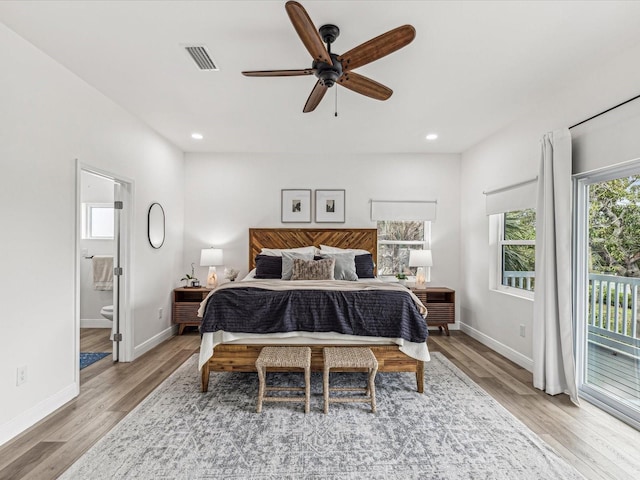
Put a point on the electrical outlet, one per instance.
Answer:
(21, 375)
(523, 331)
(160, 313)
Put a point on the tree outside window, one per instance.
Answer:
(395, 240)
(517, 243)
(614, 219)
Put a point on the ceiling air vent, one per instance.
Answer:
(201, 57)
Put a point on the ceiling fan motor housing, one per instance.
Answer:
(328, 74)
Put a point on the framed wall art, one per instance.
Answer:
(330, 206)
(296, 206)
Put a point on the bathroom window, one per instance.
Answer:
(97, 221)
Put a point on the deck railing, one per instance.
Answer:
(613, 316)
(523, 280)
(613, 312)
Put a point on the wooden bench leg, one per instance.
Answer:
(205, 377)
(420, 376)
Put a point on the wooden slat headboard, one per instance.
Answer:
(259, 238)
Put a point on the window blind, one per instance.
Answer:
(406, 211)
(518, 196)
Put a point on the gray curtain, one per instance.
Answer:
(554, 368)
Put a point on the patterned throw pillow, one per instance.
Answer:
(287, 262)
(345, 265)
(313, 269)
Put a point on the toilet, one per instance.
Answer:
(107, 312)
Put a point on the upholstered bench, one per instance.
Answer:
(284, 358)
(350, 358)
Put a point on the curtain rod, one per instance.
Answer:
(509, 187)
(606, 111)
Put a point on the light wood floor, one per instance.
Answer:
(95, 340)
(598, 445)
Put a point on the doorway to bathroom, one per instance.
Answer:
(101, 286)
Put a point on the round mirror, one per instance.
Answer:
(156, 225)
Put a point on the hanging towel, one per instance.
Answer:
(103, 272)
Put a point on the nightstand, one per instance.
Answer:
(440, 303)
(185, 303)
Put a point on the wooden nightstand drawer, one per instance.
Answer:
(421, 294)
(441, 312)
(185, 312)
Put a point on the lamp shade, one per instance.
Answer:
(420, 258)
(210, 257)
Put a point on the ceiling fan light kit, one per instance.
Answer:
(331, 68)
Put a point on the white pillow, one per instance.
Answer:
(327, 249)
(250, 276)
(277, 252)
(345, 265)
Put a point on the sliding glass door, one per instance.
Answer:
(608, 290)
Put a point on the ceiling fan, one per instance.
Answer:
(331, 68)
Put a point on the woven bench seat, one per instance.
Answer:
(350, 358)
(284, 358)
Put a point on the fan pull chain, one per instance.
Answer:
(336, 114)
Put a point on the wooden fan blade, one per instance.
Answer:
(278, 73)
(365, 86)
(314, 99)
(307, 32)
(378, 47)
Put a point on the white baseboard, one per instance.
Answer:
(30, 417)
(501, 348)
(95, 323)
(154, 341)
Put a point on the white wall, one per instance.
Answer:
(49, 118)
(226, 194)
(510, 156)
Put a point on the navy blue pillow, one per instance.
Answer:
(364, 266)
(268, 266)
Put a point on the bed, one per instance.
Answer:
(237, 350)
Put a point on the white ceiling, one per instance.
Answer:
(473, 68)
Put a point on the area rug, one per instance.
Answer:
(454, 431)
(87, 358)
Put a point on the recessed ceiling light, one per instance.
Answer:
(432, 136)
(197, 136)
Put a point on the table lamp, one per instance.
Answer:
(210, 257)
(421, 259)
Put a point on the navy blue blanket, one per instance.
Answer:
(376, 313)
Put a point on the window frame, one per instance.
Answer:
(500, 243)
(425, 243)
(87, 220)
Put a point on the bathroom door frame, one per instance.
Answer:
(122, 311)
